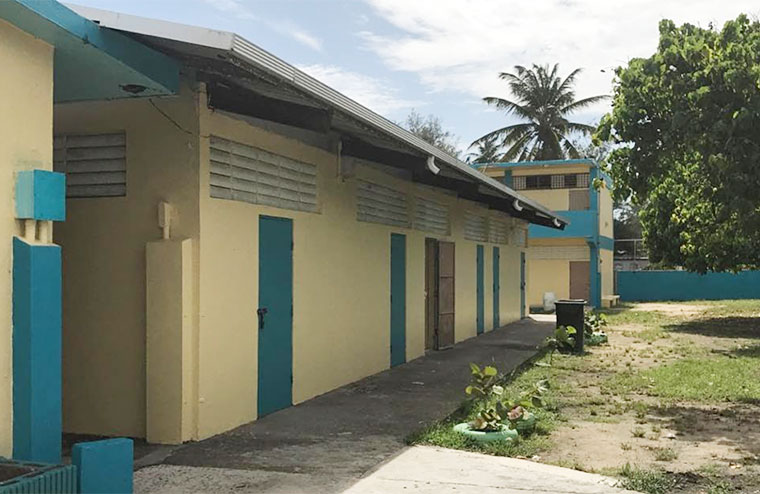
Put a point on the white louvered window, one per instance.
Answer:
(431, 216)
(498, 231)
(244, 173)
(475, 227)
(380, 204)
(95, 165)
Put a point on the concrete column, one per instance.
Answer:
(168, 341)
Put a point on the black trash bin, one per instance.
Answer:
(570, 313)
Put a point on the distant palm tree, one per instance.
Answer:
(488, 151)
(543, 101)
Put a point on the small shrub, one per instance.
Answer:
(638, 432)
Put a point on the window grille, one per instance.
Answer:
(377, 203)
(244, 173)
(95, 165)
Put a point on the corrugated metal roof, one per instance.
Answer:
(202, 42)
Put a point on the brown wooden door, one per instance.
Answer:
(431, 292)
(445, 295)
(580, 283)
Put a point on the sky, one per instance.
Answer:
(442, 57)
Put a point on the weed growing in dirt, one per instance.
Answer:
(664, 454)
(648, 481)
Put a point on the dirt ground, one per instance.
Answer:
(605, 428)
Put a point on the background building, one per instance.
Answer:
(576, 262)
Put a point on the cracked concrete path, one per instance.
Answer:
(329, 443)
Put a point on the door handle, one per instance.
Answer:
(261, 313)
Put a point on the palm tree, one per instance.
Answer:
(488, 150)
(543, 101)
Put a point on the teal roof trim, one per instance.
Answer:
(92, 62)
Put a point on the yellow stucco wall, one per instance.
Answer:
(104, 242)
(341, 283)
(26, 122)
(606, 268)
(548, 275)
(605, 213)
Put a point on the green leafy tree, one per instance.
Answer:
(430, 129)
(686, 126)
(543, 102)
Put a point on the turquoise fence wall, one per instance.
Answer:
(647, 286)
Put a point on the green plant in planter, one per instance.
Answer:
(563, 340)
(482, 381)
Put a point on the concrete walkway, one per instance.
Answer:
(327, 444)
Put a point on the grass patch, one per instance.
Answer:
(648, 481)
(709, 379)
(441, 433)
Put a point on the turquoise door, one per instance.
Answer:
(522, 284)
(480, 324)
(496, 287)
(398, 299)
(275, 314)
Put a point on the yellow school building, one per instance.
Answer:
(576, 262)
(232, 236)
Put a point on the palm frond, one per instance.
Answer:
(583, 103)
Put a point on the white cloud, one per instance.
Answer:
(240, 10)
(462, 45)
(375, 94)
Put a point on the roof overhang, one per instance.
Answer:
(243, 78)
(91, 62)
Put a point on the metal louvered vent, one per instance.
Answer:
(519, 236)
(475, 227)
(95, 165)
(244, 173)
(379, 204)
(498, 231)
(431, 216)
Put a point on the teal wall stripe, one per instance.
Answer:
(647, 286)
(581, 225)
(36, 352)
(606, 243)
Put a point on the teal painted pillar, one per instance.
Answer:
(507, 180)
(37, 422)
